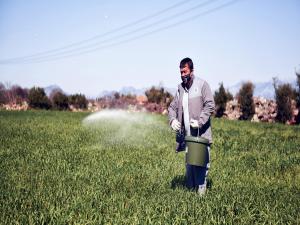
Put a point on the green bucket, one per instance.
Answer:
(196, 151)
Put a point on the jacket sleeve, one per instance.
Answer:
(208, 104)
(173, 108)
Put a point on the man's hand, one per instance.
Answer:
(194, 123)
(175, 125)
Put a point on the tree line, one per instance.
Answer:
(37, 98)
(284, 94)
(157, 99)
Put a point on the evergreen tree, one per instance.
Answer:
(38, 99)
(78, 101)
(245, 99)
(60, 101)
(283, 95)
(221, 99)
(298, 95)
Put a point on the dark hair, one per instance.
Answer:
(187, 61)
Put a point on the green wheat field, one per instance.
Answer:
(57, 169)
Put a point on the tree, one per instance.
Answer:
(159, 96)
(117, 95)
(38, 99)
(154, 95)
(18, 94)
(3, 95)
(54, 92)
(221, 99)
(245, 99)
(229, 95)
(298, 95)
(60, 101)
(78, 101)
(283, 96)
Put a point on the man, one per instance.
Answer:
(189, 114)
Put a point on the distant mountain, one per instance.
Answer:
(132, 90)
(262, 89)
(125, 91)
(50, 88)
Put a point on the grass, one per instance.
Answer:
(56, 170)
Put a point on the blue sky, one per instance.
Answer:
(248, 40)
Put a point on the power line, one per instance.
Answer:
(101, 35)
(180, 14)
(138, 36)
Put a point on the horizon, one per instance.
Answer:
(233, 89)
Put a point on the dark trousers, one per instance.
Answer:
(196, 175)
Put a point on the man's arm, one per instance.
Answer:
(173, 108)
(208, 104)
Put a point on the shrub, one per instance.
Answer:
(245, 99)
(128, 97)
(38, 99)
(78, 101)
(60, 101)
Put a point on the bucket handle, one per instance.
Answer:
(180, 131)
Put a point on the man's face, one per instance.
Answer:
(185, 70)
